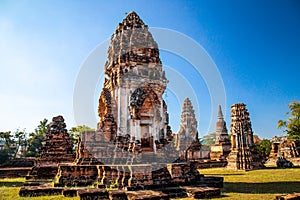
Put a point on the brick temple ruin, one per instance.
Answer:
(282, 147)
(243, 154)
(187, 139)
(132, 153)
(56, 148)
(222, 146)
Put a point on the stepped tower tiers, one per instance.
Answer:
(131, 104)
(132, 148)
(187, 141)
(243, 154)
(221, 148)
(57, 147)
(221, 130)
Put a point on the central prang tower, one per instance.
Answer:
(131, 104)
(133, 147)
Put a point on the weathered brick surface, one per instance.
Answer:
(243, 154)
(14, 172)
(39, 191)
(147, 195)
(222, 146)
(133, 144)
(95, 194)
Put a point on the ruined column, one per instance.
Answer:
(243, 154)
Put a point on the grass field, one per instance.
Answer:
(258, 184)
(253, 185)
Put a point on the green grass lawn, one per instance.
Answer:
(257, 184)
(253, 185)
(9, 189)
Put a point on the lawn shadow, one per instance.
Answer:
(224, 174)
(274, 167)
(11, 184)
(262, 188)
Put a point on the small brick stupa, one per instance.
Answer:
(56, 148)
(221, 148)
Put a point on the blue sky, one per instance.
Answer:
(254, 44)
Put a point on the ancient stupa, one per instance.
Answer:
(57, 147)
(133, 147)
(222, 146)
(243, 154)
(131, 106)
(187, 139)
(133, 144)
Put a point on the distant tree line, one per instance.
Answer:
(21, 144)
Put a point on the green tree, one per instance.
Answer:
(264, 147)
(20, 141)
(36, 138)
(208, 139)
(6, 140)
(76, 131)
(292, 124)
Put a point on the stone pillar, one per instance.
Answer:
(243, 154)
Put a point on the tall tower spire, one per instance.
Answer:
(188, 122)
(187, 141)
(188, 126)
(221, 130)
(131, 103)
(221, 149)
(220, 114)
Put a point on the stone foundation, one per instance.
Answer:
(93, 193)
(43, 172)
(129, 176)
(14, 172)
(39, 191)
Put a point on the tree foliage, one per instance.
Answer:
(20, 143)
(209, 139)
(12, 144)
(36, 138)
(75, 132)
(264, 147)
(6, 143)
(292, 124)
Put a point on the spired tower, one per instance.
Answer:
(221, 148)
(243, 154)
(131, 106)
(132, 148)
(187, 141)
(188, 126)
(57, 147)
